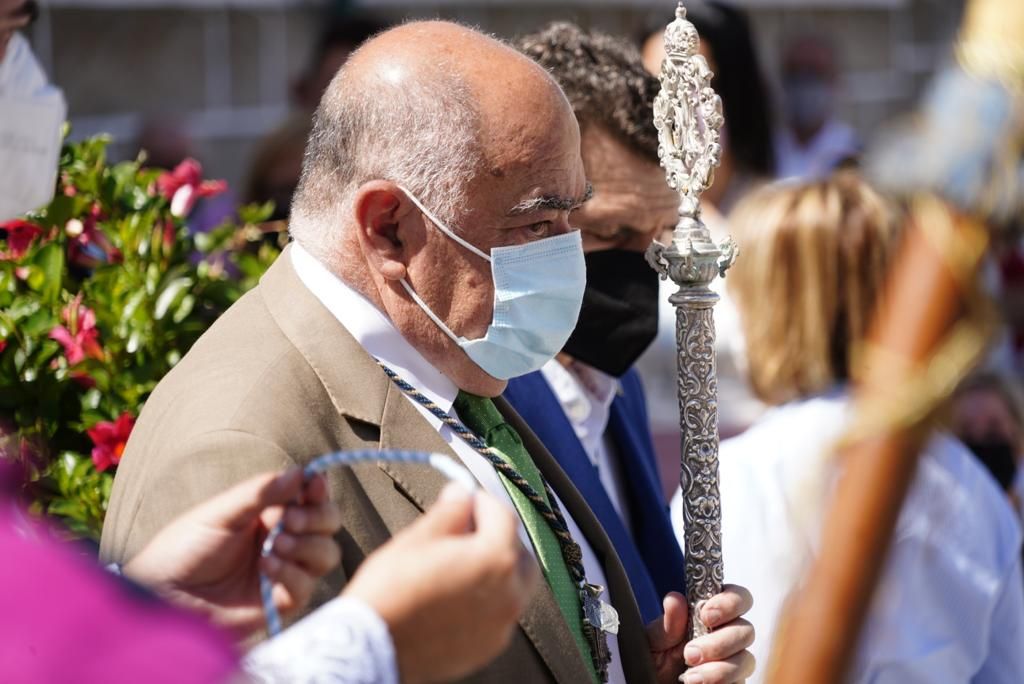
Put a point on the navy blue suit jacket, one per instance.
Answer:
(649, 552)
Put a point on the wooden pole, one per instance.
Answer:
(818, 637)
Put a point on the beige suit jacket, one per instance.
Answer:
(277, 381)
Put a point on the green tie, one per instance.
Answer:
(481, 416)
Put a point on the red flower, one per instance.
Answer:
(185, 185)
(20, 235)
(110, 440)
(80, 338)
(3, 345)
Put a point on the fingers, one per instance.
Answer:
(239, 506)
(669, 631)
(315, 490)
(734, 601)
(734, 669)
(496, 525)
(318, 554)
(721, 644)
(452, 513)
(293, 585)
(323, 517)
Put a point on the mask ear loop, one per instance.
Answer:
(443, 228)
(427, 310)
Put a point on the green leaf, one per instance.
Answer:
(256, 213)
(50, 260)
(171, 293)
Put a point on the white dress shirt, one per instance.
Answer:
(378, 336)
(950, 603)
(586, 395)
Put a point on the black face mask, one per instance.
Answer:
(619, 317)
(998, 456)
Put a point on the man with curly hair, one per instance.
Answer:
(588, 405)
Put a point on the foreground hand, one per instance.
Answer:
(716, 658)
(450, 587)
(208, 559)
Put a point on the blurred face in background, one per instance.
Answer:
(986, 424)
(809, 86)
(632, 203)
(14, 15)
(631, 206)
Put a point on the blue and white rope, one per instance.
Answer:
(448, 467)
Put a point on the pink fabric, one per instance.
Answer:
(63, 619)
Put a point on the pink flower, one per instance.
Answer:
(185, 185)
(110, 440)
(20, 235)
(89, 246)
(80, 338)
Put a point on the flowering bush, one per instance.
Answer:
(101, 293)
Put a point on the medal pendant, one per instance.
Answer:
(600, 615)
(596, 616)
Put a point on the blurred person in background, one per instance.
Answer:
(748, 161)
(31, 115)
(988, 417)
(813, 142)
(343, 35)
(277, 164)
(950, 604)
(587, 405)
(165, 140)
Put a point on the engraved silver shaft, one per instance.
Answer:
(688, 115)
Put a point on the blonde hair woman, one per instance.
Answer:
(950, 607)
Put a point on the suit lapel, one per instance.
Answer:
(402, 427)
(633, 646)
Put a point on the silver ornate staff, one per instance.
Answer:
(688, 115)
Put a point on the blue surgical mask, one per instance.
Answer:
(538, 291)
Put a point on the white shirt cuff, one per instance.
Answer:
(342, 642)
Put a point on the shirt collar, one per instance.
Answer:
(372, 329)
(585, 393)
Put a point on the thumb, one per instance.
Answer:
(669, 630)
(452, 513)
(243, 503)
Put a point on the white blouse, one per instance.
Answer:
(950, 605)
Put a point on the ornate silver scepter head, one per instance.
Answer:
(688, 116)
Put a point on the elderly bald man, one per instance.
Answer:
(433, 260)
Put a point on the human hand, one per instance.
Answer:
(450, 587)
(719, 657)
(208, 559)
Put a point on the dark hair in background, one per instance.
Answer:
(604, 79)
(346, 30)
(739, 81)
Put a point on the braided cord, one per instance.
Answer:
(550, 512)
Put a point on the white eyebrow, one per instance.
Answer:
(555, 202)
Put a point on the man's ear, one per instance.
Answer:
(381, 207)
